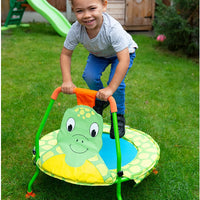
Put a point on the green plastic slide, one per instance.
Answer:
(51, 14)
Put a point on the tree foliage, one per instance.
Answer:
(180, 24)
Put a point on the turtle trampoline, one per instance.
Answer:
(81, 151)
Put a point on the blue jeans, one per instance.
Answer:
(92, 75)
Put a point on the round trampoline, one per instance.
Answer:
(81, 151)
(140, 154)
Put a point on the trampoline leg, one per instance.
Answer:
(30, 192)
(119, 196)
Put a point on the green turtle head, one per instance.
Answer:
(80, 135)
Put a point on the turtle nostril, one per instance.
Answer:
(76, 140)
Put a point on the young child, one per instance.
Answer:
(107, 43)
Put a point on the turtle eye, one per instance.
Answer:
(70, 124)
(94, 129)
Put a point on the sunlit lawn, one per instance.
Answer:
(161, 100)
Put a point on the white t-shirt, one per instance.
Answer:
(111, 38)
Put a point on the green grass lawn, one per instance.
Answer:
(161, 100)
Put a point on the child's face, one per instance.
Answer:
(89, 13)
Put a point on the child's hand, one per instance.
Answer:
(67, 87)
(104, 93)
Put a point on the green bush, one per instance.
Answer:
(180, 24)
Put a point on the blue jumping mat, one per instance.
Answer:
(109, 155)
